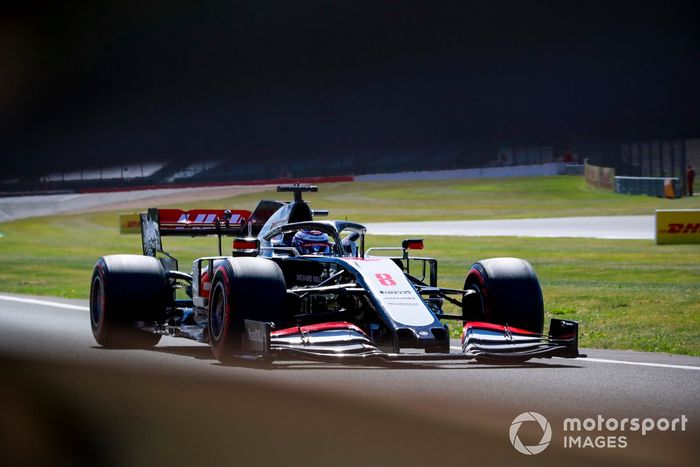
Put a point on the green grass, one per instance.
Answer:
(627, 294)
(510, 198)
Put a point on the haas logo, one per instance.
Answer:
(683, 228)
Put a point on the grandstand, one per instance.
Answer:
(655, 158)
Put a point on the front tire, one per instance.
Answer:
(126, 289)
(243, 288)
(508, 293)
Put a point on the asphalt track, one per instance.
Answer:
(395, 413)
(176, 405)
(22, 207)
(603, 227)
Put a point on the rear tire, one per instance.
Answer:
(243, 288)
(508, 293)
(126, 289)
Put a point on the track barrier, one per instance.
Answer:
(663, 187)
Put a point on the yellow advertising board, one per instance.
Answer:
(129, 223)
(677, 226)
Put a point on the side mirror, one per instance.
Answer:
(246, 247)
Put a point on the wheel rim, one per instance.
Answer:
(218, 311)
(96, 301)
(475, 281)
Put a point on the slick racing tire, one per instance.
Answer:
(243, 288)
(127, 290)
(508, 292)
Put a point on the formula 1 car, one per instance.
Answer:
(298, 287)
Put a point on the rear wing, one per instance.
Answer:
(157, 223)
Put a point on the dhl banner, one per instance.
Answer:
(677, 226)
(129, 224)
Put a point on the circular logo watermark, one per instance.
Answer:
(546, 433)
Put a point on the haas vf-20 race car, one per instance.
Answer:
(297, 287)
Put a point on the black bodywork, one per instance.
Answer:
(354, 303)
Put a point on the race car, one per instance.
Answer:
(295, 286)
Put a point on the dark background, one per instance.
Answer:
(87, 84)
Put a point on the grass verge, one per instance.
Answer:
(510, 198)
(627, 294)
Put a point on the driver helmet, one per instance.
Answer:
(312, 242)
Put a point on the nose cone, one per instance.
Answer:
(432, 339)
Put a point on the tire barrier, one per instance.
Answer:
(663, 187)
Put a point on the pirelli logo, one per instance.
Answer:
(677, 226)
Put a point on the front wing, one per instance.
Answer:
(344, 341)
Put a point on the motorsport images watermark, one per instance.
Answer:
(577, 432)
(530, 417)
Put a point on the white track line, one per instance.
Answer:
(624, 362)
(587, 359)
(44, 302)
